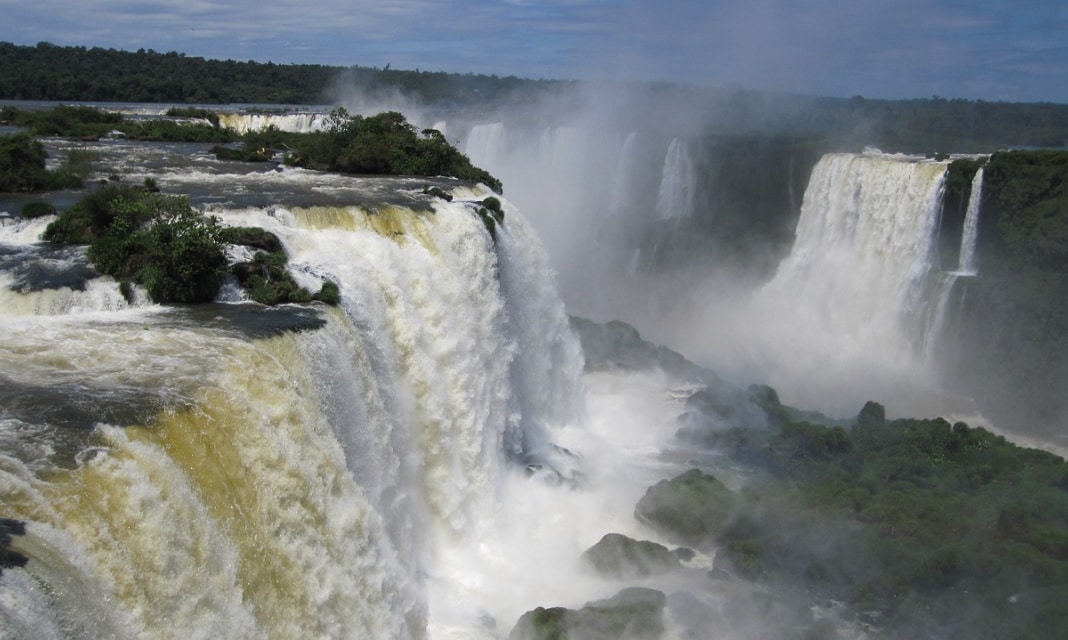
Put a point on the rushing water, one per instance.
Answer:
(428, 458)
(205, 472)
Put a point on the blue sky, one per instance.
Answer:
(979, 49)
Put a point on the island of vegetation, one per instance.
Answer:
(139, 236)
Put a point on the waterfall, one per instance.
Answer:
(292, 122)
(182, 476)
(970, 235)
(484, 145)
(676, 196)
(850, 305)
(946, 281)
(622, 174)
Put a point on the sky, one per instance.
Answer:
(975, 49)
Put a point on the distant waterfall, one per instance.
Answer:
(292, 122)
(970, 234)
(675, 198)
(484, 144)
(945, 284)
(622, 174)
(850, 304)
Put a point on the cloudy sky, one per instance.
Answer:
(1012, 50)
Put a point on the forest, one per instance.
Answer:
(50, 72)
(937, 125)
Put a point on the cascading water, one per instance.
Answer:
(485, 143)
(675, 198)
(184, 474)
(970, 235)
(292, 122)
(966, 267)
(847, 310)
(588, 189)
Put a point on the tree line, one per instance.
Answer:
(937, 125)
(50, 72)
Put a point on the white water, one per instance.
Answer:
(845, 317)
(946, 282)
(675, 199)
(320, 484)
(388, 508)
(970, 235)
(588, 189)
(292, 122)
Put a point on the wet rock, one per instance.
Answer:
(634, 613)
(618, 556)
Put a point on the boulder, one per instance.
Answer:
(617, 556)
(693, 508)
(634, 613)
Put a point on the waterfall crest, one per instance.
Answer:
(291, 122)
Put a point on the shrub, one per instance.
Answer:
(268, 281)
(38, 209)
(22, 163)
(154, 240)
(329, 293)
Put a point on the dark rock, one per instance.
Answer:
(555, 465)
(618, 556)
(692, 508)
(8, 558)
(684, 554)
(634, 613)
(617, 345)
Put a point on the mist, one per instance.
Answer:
(643, 196)
(706, 220)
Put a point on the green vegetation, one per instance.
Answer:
(632, 614)
(935, 529)
(38, 209)
(157, 241)
(137, 235)
(381, 144)
(1026, 199)
(268, 281)
(91, 123)
(491, 214)
(618, 556)
(1008, 338)
(22, 167)
(50, 72)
